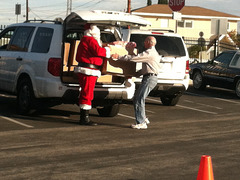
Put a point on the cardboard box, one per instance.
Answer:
(105, 78)
(70, 51)
(73, 53)
(66, 56)
(126, 68)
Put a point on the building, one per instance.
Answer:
(195, 23)
(194, 19)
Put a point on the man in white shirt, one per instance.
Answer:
(150, 60)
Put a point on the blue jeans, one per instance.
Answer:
(148, 83)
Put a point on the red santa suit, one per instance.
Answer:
(90, 57)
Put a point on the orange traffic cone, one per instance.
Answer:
(205, 171)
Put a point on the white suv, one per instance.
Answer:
(173, 78)
(37, 61)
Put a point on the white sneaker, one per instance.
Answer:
(139, 126)
(147, 121)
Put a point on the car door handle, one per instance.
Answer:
(19, 59)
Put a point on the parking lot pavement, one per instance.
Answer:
(56, 147)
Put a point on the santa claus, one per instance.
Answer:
(90, 55)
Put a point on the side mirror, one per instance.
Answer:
(210, 61)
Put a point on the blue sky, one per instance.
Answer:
(50, 9)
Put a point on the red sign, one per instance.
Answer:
(176, 5)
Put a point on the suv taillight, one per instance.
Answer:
(54, 66)
(187, 67)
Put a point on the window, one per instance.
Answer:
(181, 24)
(185, 24)
(107, 37)
(21, 39)
(188, 24)
(74, 36)
(42, 41)
(236, 61)
(6, 37)
(224, 59)
(166, 46)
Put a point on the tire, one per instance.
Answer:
(109, 111)
(237, 88)
(198, 81)
(170, 100)
(25, 97)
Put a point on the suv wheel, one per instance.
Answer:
(109, 111)
(25, 97)
(198, 81)
(170, 100)
(237, 88)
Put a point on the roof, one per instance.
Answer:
(186, 10)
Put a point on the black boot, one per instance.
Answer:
(84, 118)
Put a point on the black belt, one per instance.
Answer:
(149, 74)
(89, 65)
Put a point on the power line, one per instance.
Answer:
(35, 14)
(50, 5)
(83, 4)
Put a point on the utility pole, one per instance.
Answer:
(129, 6)
(26, 10)
(129, 10)
(69, 7)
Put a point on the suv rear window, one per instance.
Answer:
(42, 41)
(166, 45)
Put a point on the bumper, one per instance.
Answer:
(104, 93)
(169, 87)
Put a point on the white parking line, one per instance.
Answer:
(201, 104)
(16, 122)
(130, 117)
(149, 111)
(226, 100)
(220, 99)
(209, 112)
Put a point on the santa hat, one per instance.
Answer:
(92, 29)
(87, 26)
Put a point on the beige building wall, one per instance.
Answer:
(198, 25)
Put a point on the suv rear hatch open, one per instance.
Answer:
(109, 22)
(112, 87)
